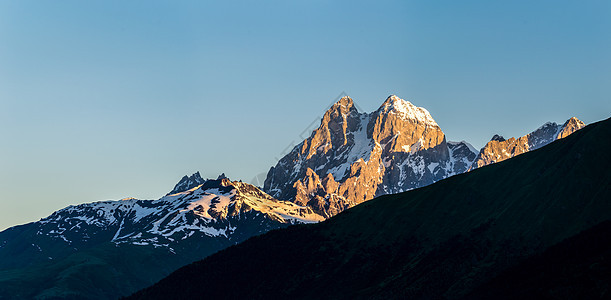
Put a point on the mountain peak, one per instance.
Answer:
(342, 107)
(340, 119)
(504, 149)
(407, 110)
(573, 121)
(187, 183)
(498, 138)
(571, 125)
(546, 125)
(394, 98)
(344, 101)
(465, 144)
(354, 156)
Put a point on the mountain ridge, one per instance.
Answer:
(499, 148)
(174, 230)
(351, 157)
(355, 156)
(427, 243)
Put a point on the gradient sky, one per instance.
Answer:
(111, 99)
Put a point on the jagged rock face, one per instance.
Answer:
(463, 155)
(499, 149)
(353, 157)
(397, 124)
(571, 125)
(187, 183)
(340, 120)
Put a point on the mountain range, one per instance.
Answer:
(197, 218)
(353, 156)
(499, 149)
(462, 237)
(112, 248)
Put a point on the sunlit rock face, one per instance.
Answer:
(355, 156)
(499, 149)
(571, 125)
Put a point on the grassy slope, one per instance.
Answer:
(103, 272)
(576, 268)
(22, 253)
(438, 241)
(83, 274)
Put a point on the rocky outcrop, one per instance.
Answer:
(187, 183)
(571, 125)
(353, 157)
(463, 155)
(499, 149)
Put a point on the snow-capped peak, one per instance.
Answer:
(218, 208)
(468, 145)
(574, 120)
(547, 124)
(407, 110)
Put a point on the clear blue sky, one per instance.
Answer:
(111, 99)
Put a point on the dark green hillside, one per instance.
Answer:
(87, 274)
(107, 271)
(576, 268)
(436, 242)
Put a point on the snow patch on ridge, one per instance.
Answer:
(362, 149)
(173, 217)
(471, 148)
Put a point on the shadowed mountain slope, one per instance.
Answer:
(576, 268)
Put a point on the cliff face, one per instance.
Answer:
(353, 157)
(499, 149)
(571, 125)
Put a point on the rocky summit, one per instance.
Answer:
(355, 156)
(499, 149)
(187, 183)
